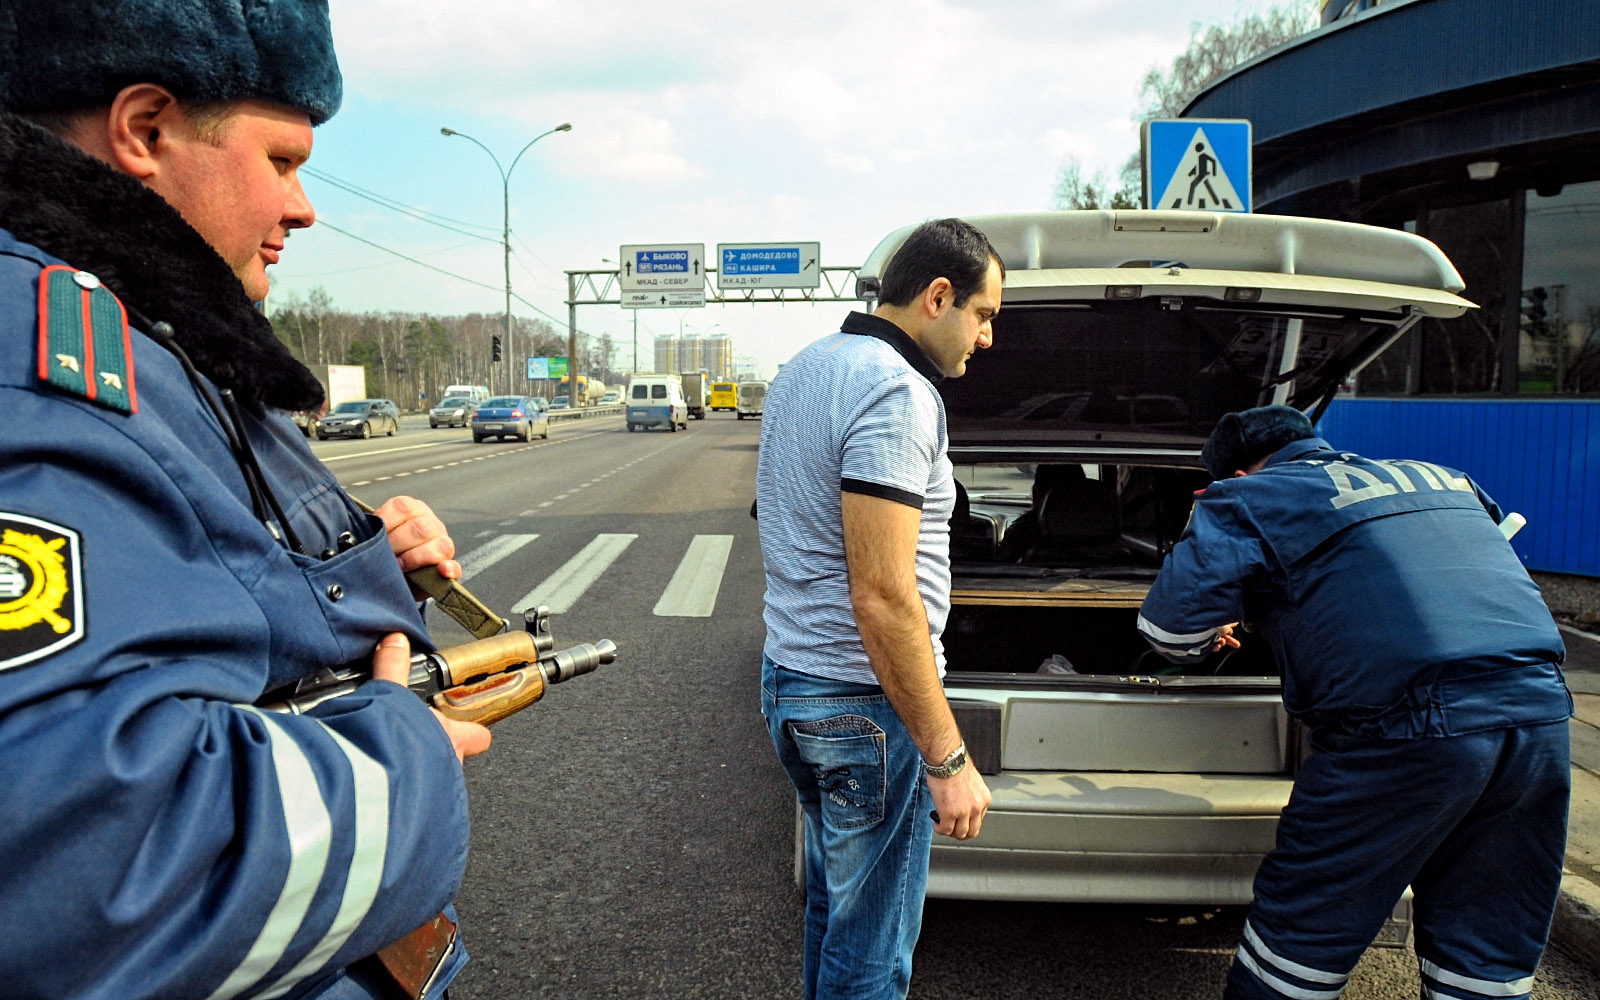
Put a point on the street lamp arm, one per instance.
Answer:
(450, 131)
(563, 127)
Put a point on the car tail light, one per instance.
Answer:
(979, 722)
(516, 413)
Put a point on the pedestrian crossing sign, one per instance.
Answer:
(1197, 164)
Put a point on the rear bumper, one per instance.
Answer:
(1115, 838)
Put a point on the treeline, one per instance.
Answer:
(409, 356)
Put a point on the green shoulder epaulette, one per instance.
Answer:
(84, 345)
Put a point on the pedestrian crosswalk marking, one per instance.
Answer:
(692, 592)
(482, 558)
(563, 587)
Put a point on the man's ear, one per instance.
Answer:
(138, 128)
(939, 296)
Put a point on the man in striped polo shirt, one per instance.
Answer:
(855, 491)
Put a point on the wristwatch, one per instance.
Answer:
(952, 764)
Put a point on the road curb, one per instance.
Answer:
(1576, 928)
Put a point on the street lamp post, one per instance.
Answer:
(505, 234)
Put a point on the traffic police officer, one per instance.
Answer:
(170, 550)
(1418, 651)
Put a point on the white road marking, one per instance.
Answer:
(692, 592)
(563, 587)
(482, 558)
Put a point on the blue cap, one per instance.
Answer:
(67, 55)
(1242, 439)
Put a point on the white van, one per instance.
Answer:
(476, 393)
(752, 397)
(657, 401)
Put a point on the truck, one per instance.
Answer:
(695, 387)
(340, 384)
(590, 391)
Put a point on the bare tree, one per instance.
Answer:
(1213, 51)
(1073, 190)
(1217, 50)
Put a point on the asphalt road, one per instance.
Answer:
(632, 832)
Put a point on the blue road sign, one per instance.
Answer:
(1197, 164)
(763, 260)
(769, 265)
(662, 262)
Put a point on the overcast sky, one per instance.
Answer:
(703, 121)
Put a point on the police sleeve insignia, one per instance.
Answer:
(41, 589)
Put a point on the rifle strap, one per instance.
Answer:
(452, 598)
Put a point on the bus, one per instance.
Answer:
(724, 396)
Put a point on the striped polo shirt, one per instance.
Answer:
(854, 412)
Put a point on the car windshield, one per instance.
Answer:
(502, 403)
(351, 408)
(454, 401)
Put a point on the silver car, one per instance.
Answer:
(1122, 338)
(456, 411)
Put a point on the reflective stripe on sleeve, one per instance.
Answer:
(1483, 987)
(1192, 644)
(1295, 969)
(371, 795)
(308, 830)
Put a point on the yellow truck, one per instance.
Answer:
(724, 396)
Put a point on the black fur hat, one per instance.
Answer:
(1242, 439)
(66, 55)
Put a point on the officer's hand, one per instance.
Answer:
(419, 538)
(959, 802)
(1225, 637)
(392, 662)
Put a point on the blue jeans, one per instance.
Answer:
(868, 833)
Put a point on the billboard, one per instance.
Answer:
(547, 368)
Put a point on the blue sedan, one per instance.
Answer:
(509, 416)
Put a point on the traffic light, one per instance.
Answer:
(1533, 300)
(494, 348)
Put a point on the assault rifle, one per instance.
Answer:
(481, 681)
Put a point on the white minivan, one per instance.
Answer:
(751, 399)
(657, 401)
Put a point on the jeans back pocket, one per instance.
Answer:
(846, 754)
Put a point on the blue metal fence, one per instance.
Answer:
(1539, 458)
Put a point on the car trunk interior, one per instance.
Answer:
(1052, 561)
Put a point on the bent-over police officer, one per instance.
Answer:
(1420, 654)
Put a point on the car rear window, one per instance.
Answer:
(1131, 370)
(503, 402)
(658, 392)
(641, 392)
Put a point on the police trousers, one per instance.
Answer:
(1475, 824)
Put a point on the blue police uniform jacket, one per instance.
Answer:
(160, 836)
(1392, 603)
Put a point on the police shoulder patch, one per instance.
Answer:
(41, 589)
(84, 345)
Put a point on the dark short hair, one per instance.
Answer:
(944, 248)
